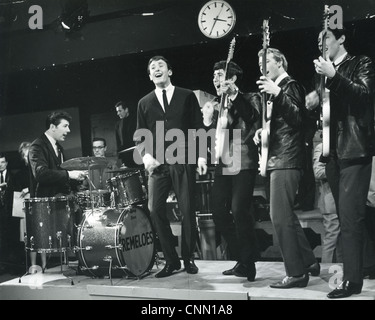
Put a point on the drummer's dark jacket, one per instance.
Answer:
(47, 178)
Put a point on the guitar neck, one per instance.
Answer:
(264, 94)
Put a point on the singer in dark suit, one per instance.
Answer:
(47, 178)
(179, 109)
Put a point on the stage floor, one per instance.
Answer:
(208, 284)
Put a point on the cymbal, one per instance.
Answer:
(95, 191)
(127, 150)
(122, 170)
(84, 163)
(100, 191)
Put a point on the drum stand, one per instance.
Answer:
(61, 250)
(26, 265)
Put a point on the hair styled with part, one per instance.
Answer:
(278, 56)
(55, 118)
(23, 146)
(120, 104)
(157, 58)
(100, 139)
(3, 155)
(233, 69)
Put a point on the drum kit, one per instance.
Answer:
(115, 236)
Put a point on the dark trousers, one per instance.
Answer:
(306, 189)
(350, 188)
(295, 249)
(233, 214)
(182, 179)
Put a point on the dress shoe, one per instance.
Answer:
(251, 273)
(168, 269)
(314, 269)
(241, 270)
(190, 266)
(230, 272)
(345, 289)
(292, 282)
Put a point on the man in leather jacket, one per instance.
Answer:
(236, 170)
(351, 81)
(284, 167)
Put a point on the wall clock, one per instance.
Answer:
(216, 19)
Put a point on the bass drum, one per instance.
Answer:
(116, 243)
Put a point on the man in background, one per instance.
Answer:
(124, 131)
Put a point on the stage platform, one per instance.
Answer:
(208, 284)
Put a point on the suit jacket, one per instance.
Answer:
(47, 178)
(286, 144)
(244, 114)
(6, 194)
(124, 131)
(183, 114)
(352, 101)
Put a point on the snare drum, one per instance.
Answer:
(98, 199)
(49, 223)
(120, 242)
(128, 189)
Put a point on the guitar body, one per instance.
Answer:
(324, 93)
(326, 115)
(264, 151)
(222, 120)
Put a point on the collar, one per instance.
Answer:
(340, 59)
(4, 172)
(281, 77)
(169, 89)
(52, 140)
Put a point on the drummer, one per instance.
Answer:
(100, 174)
(47, 178)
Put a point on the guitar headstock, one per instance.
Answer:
(231, 50)
(266, 34)
(325, 30)
(325, 18)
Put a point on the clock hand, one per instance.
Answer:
(215, 19)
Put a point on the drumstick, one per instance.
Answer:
(90, 182)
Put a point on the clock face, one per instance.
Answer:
(216, 19)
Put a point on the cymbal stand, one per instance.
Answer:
(91, 185)
(26, 264)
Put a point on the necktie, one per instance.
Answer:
(58, 152)
(165, 100)
(2, 177)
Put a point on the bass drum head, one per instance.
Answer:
(98, 245)
(137, 241)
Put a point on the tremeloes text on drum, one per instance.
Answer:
(116, 243)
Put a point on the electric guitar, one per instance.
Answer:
(324, 92)
(223, 112)
(266, 106)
